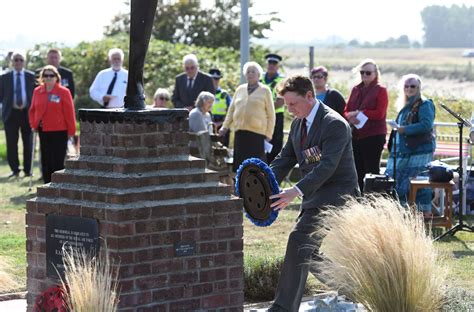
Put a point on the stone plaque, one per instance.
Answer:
(74, 231)
(183, 249)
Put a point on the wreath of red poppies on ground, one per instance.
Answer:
(52, 300)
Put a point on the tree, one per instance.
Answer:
(353, 43)
(448, 27)
(186, 21)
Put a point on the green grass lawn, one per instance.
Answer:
(457, 251)
(14, 194)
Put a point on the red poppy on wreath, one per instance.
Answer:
(52, 300)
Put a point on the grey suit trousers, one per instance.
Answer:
(301, 252)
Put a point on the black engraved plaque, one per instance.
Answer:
(183, 249)
(74, 231)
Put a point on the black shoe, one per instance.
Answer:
(28, 175)
(13, 175)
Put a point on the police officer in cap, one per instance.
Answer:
(221, 103)
(272, 78)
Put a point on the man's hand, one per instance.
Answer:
(284, 198)
(106, 99)
(279, 102)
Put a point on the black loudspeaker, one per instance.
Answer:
(378, 183)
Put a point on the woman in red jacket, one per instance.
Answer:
(366, 111)
(52, 116)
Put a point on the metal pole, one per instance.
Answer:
(311, 59)
(244, 36)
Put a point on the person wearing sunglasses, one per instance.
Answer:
(16, 92)
(54, 57)
(415, 142)
(161, 98)
(330, 97)
(52, 116)
(190, 83)
(366, 112)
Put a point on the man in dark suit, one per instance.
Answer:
(189, 84)
(16, 91)
(320, 142)
(53, 57)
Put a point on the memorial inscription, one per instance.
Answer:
(77, 232)
(183, 249)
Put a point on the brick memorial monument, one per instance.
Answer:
(172, 229)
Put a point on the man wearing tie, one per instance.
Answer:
(110, 85)
(16, 91)
(189, 84)
(320, 142)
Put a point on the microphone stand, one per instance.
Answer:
(460, 226)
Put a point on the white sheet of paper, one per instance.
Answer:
(362, 120)
(393, 124)
(268, 146)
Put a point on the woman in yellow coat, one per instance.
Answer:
(251, 115)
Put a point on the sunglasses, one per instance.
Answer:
(19, 60)
(163, 98)
(49, 76)
(365, 72)
(411, 86)
(317, 77)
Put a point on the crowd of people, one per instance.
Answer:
(254, 111)
(43, 104)
(335, 143)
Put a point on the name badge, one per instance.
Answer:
(65, 82)
(312, 155)
(54, 98)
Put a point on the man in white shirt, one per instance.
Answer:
(110, 85)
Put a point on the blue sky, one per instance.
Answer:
(72, 21)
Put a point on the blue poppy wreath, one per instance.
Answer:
(254, 183)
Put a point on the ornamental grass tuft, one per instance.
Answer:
(91, 281)
(378, 254)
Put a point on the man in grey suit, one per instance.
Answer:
(189, 84)
(320, 142)
(16, 91)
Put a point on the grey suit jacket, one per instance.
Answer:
(182, 96)
(327, 181)
(6, 92)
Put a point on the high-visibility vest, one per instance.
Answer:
(272, 85)
(219, 108)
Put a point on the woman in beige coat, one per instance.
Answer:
(251, 115)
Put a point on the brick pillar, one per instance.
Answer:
(136, 177)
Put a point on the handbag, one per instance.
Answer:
(439, 171)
